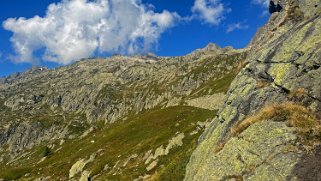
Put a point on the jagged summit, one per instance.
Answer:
(212, 47)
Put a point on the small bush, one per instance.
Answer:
(46, 151)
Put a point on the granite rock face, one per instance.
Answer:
(283, 66)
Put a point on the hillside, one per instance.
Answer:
(121, 118)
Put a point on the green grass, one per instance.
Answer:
(176, 162)
(217, 86)
(221, 81)
(140, 133)
(13, 173)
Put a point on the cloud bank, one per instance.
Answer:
(210, 11)
(75, 29)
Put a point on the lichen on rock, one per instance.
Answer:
(283, 65)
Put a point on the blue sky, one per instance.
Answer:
(166, 28)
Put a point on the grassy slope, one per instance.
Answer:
(140, 133)
(222, 80)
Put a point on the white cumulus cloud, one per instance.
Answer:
(236, 26)
(210, 11)
(75, 29)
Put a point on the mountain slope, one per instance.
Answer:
(121, 151)
(269, 126)
(103, 118)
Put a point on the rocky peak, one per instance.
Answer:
(212, 47)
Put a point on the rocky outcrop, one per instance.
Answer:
(25, 135)
(176, 141)
(283, 66)
(79, 166)
(152, 165)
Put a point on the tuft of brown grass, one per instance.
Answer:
(298, 93)
(234, 177)
(301, 118)
(219, 147)
(241, 65)
(265, 113)
(261, 84)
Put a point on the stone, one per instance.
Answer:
(152, 165)
(129, 158)
(160, 151)
(77, 168)
(85, 176)
(174, 142)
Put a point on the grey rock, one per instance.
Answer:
(284, 57)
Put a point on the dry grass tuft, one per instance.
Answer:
(298, 93)
(219, 146)
(261, 84)
(265, 113)
(241, 65)
(297, 116)
(305, 123)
